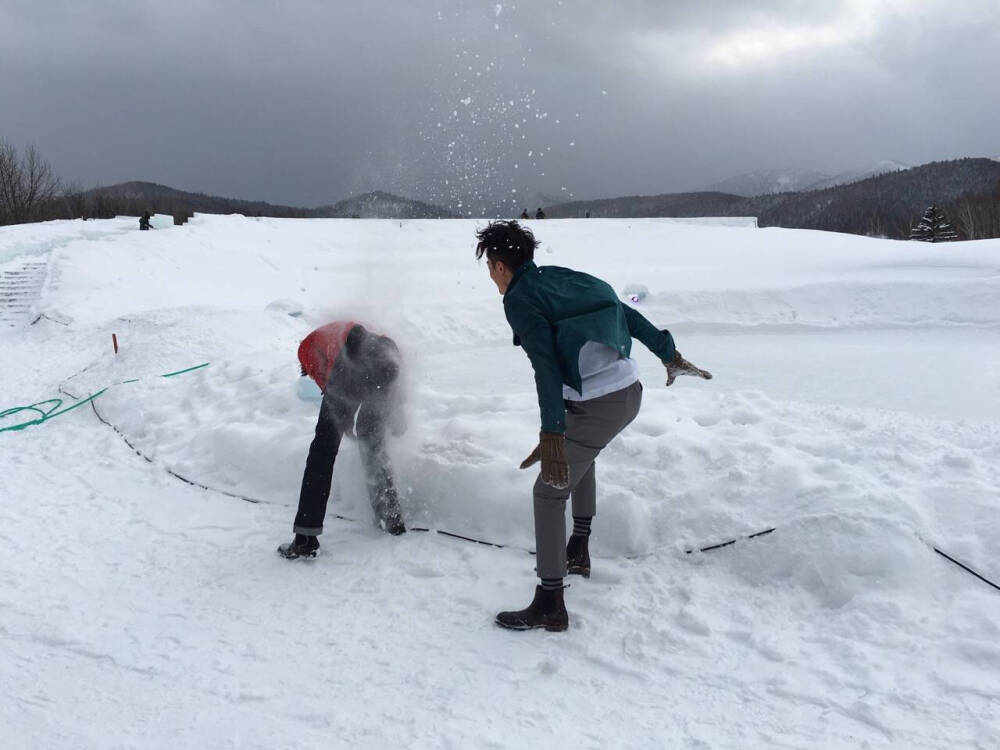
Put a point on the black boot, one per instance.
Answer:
(547, 610)
(578, 556)
(390, 518)
(301, 546)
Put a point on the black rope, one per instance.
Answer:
(472, 539)
(452, 535)
(966, 568)
(418, 529)
(729, 542)
(258, 501)
(43, 315)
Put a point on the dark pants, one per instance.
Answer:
(336, 419)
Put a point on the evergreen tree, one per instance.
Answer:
(933, 227)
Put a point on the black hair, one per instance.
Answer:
(508, 242)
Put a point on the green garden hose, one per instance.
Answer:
(52, 408)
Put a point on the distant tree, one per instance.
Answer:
(27, 184)
(103, 207)
(977, 216)
(74, 201)
(933, 227)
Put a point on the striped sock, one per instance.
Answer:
(551, 584)
(581, 525)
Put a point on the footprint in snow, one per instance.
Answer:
(692, 624)
(423, 571)
(548, 666)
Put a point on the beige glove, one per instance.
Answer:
(680, 366)
(551, 451)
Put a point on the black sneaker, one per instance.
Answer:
(578, 556)
(300, 546)
(547, 610)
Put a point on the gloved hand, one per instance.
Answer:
(551, 451)
(680, 366)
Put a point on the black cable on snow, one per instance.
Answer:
(452, 535)
(729, 542)
(965, 567)
(258, 501)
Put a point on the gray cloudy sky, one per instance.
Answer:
(307, 102)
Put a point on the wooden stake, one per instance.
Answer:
(114, 341)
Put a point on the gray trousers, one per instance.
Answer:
(590, 426)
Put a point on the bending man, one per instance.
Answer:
(358, 373)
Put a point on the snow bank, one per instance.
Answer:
(852, 410)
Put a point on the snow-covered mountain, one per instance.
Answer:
(861, 173)
(380, 205)
(768, 181)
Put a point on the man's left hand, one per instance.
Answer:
(680, 366)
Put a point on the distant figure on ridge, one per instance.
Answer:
(539, 214)
(524, 214)
(144, 221)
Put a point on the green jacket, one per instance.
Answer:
(553, 312)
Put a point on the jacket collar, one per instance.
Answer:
(524, 269)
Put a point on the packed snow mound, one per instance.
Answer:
(696, 467)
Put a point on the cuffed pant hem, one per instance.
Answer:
(308, 531)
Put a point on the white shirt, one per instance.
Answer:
(603, 370)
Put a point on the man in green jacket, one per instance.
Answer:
(578, 336)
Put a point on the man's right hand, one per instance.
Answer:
(551, 451)
(680, 366)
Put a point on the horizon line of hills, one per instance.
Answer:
(885, 205)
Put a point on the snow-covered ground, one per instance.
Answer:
(854, 408)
